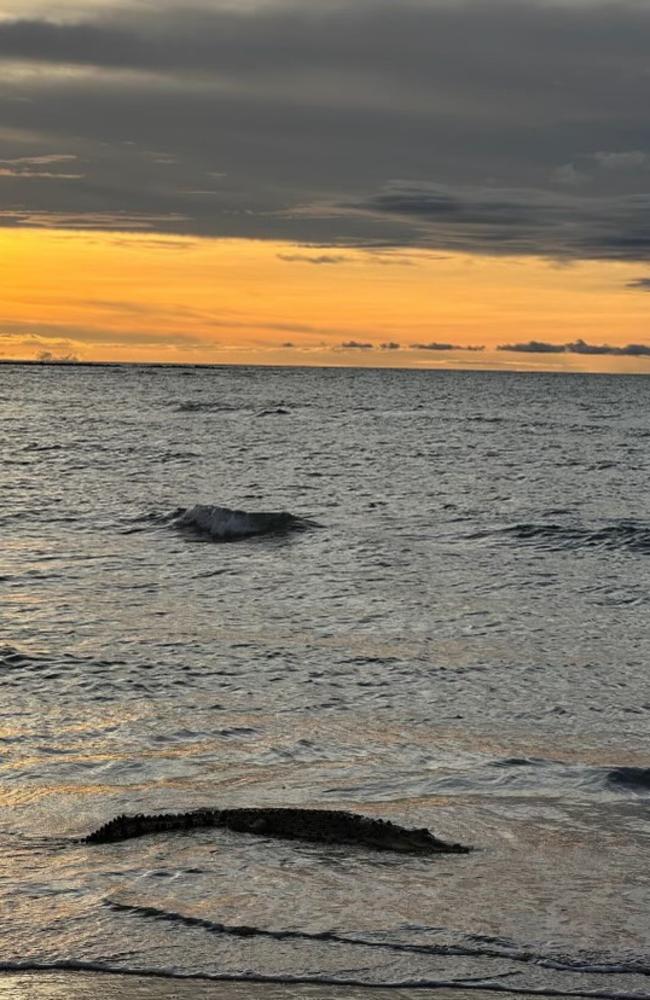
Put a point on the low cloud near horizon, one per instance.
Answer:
(355, 345)
(434, 346)
(373, 123)
(577, 347)
(302, 258)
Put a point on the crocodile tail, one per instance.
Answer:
(127, 827)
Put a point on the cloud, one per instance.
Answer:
(70, 336)
(630, 350)
(577, 347)
(164, 243)
(22, 173)
(299, 258)
(198, 192)
(639, 283)
(534, 347)
(390, 346)
(356, 123)
(51, 357)
(499, 221)
(622, 161)
(588, 170)
(181, 319)
(120, 221)
(40, 160)
(435, 346)
(356, 345)
(569, 174)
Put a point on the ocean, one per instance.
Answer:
(456, 637)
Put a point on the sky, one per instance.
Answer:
(422, 183)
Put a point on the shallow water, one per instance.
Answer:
(460, 643)
(117, 986)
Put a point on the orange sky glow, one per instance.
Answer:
(112, 296)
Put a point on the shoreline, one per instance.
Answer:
(84, 985)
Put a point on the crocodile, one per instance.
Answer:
(324, 826)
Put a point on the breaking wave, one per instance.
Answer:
(223, 524)
(626, 535)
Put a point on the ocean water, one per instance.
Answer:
(457, 638)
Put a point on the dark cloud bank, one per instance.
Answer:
(527, 347)
(577, 347)
(358, 345)
(302, 258)
(508, 127)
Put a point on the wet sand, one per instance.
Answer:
(90, 986)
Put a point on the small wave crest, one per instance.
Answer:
(532, 774)
(12, 657)
(210, 406)
(635, 778)
(631, 536)
(224, 524)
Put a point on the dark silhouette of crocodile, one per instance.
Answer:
(323, 826)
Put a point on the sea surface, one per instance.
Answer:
(458, 638)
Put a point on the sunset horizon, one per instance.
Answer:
(121, 296)
(215, 182)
